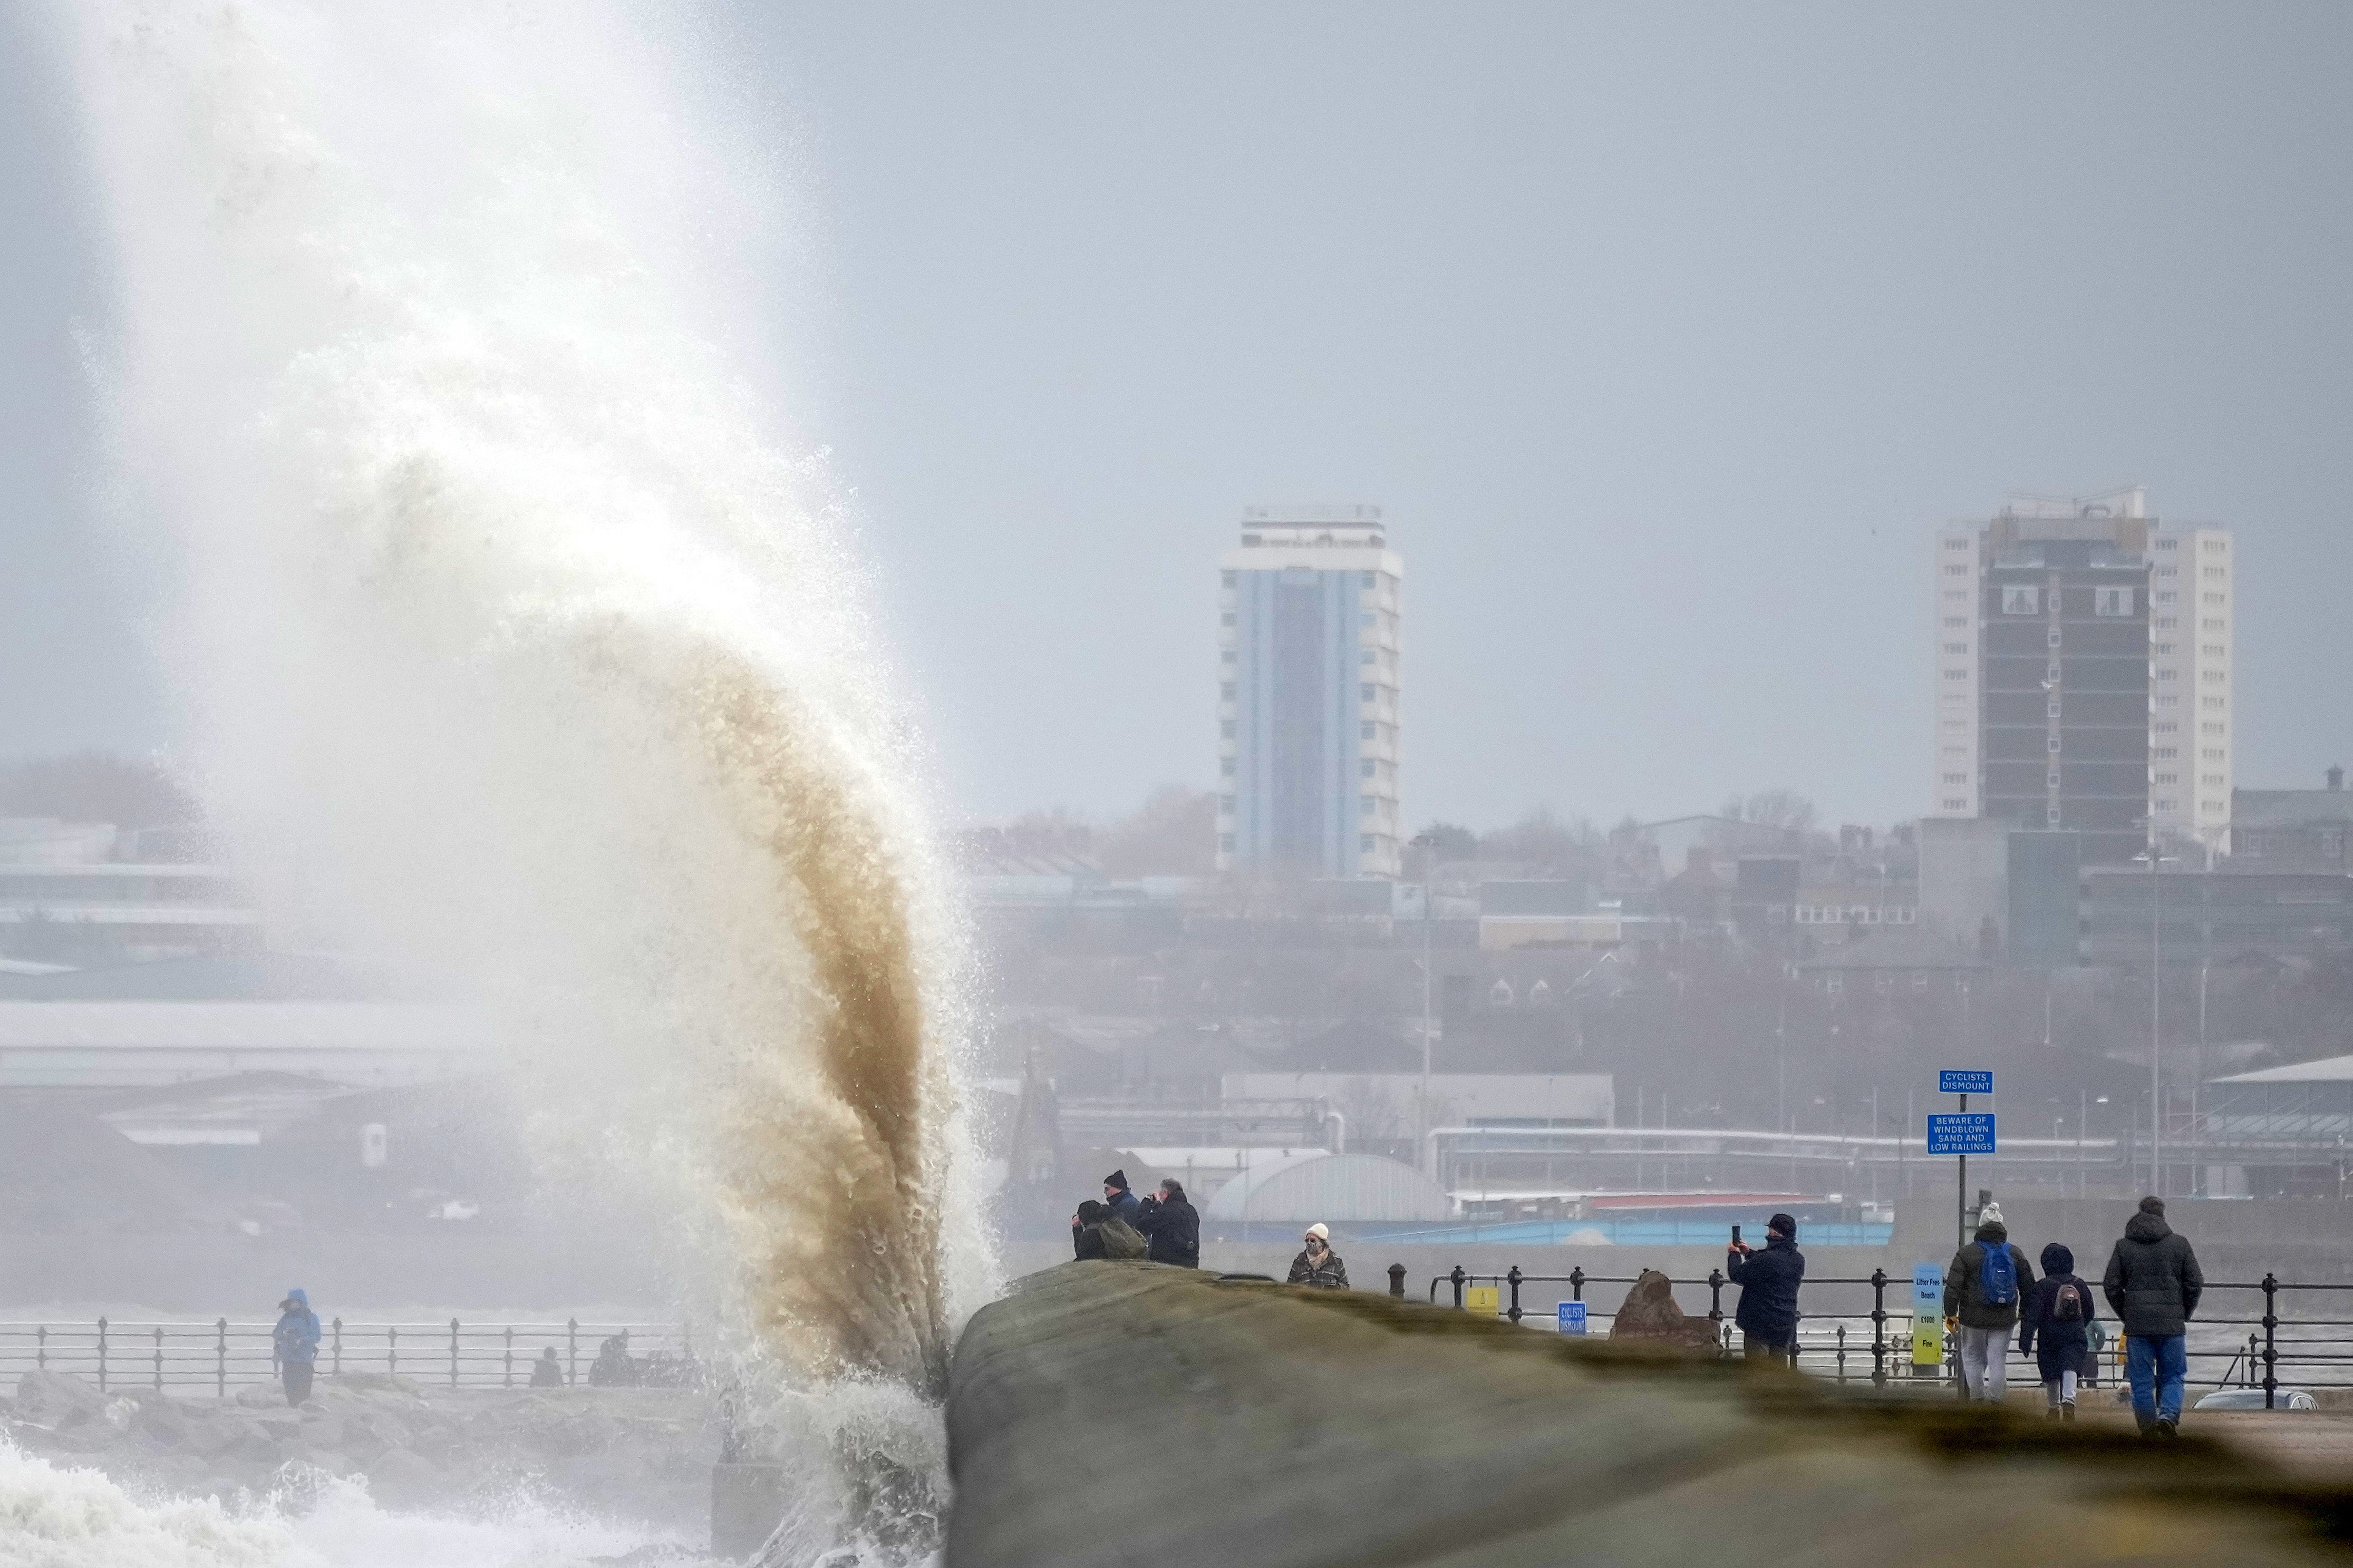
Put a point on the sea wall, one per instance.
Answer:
(1131, 1413)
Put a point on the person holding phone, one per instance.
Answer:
(1768, 1280)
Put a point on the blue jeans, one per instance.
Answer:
(2164, 1363)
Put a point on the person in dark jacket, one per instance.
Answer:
(294, 1345)
(1317, 1265)
(2153, 1283)
(1172, 1229)
(2056, 1324)
(1086, 1230)
(1768, 1314)
(1123, 1203)
(547, 1372)
(1982, 1337)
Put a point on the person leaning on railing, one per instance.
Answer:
(1768, 1280)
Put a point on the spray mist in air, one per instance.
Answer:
(519, 647)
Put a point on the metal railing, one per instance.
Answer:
(2319, 1360)
(455, 1354)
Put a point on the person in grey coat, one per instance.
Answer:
(2153, 1283)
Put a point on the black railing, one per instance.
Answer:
(456, 1354)
(2329, 1355)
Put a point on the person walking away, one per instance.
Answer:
(1123, 1203)
(294, 1345)
(1171, 1226)
(1317, 1265)
(2055, 1325)
(547, 1372)
(1988, 1279)
(2153, 1284)
(1768, 1280)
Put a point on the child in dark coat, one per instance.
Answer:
(2054, 1323)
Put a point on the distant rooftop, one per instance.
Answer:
(1352, 526)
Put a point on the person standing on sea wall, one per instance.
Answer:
(2154, 1282)
(294, 1345)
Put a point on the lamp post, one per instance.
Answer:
(2155, 996)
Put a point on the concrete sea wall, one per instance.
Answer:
(1131, 1413)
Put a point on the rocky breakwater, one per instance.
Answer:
(639, 1454)
(1117, 1413)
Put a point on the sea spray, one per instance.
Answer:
(518, 647)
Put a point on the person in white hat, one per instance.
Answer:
(1317, 1264)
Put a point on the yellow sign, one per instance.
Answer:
(1927, 1341)
(1487, 1298)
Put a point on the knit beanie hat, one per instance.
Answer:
(1320, 1231)
(1117, 1179)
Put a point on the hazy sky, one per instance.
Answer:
(1663, 335)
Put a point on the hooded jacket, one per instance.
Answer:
(2153, 1280)
(1768, 1280)
(1964, 1281)
(295, 1340)
(2064, 1343)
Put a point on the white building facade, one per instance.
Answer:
(1310, 646)
(2083, 673)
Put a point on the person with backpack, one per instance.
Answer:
(2056, 1326)
(2154, 1282)
(1988, 1279)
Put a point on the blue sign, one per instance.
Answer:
(1572, 1317)
(1965, 1081)
(1966, 1132)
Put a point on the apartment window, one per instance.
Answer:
(2163, 572)
(2166, 753)
(2051, 709)
(2213, 600)
(1956, 569)
(1956, 778)
(2165, 804)
(2053, 639)
(2169, 778)
(1226, 768)
(1955, 622)
(2018, 599)
(1371, 692)
(2212, 808)
(2168, 544)
(1367, 804)
(1227, 691)
(2168, 702)
(2214, 573)
(2050, 742)
(1952, 805)
(2213, 649)
(2169, 673)
(1226, 843)
(1226, 729)
(2166, 597)
(1225, 804)
(2214, 676)
(2213, 625)
(1230, 579)
(2166, 623)
(1365, 844)
(2051, 780)
(1957, 544)
(2164, 648)
(2211, 729)
(1227, 657)
(2112, 600)
(1227, 620)
(2211, 781)
(1372, 579)
(1956, 594)
(2051, 815)
(1364, 768)
(1956, 675)
(2211, 546)
(1367, 733)
(2212, 754)
(2166, 728)
(1957, 751)
(1956, 647)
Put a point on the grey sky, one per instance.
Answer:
(1663, 335)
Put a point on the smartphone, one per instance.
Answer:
(1736, 1236)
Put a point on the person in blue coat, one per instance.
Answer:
(1123, 1203)
(294, 1345)
(1767, 1313)
(2055, 1327)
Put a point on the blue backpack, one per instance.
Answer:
(1998, 1281)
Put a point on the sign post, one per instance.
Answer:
(1963, 1135)
(1572, 1317)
